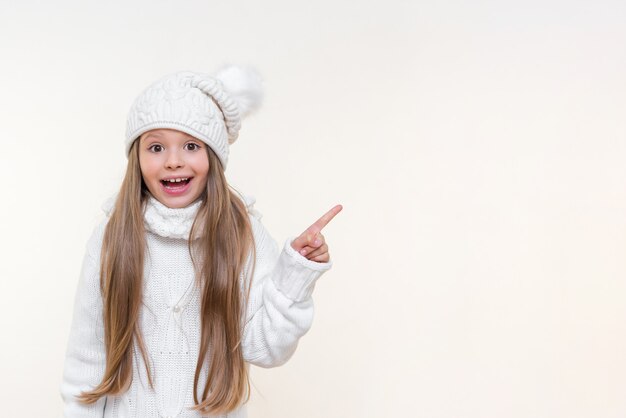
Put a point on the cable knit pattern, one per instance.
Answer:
(191, 102)
(168, 222)
(279, 313)
(173, 223)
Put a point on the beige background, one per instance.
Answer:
(477, 147)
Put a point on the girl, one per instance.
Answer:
(181, 286)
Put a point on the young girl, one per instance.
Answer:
(181, 286)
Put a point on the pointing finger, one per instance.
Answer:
(324, 220)
(308, 236)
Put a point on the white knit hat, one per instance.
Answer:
(207, 107)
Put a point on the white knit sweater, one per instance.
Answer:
(279, 313)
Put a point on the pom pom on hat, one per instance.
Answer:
(244, 85)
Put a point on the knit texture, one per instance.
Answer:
(279, 313)
(207, 107)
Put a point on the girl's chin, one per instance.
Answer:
(176, 202)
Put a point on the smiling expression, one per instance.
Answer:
(174, 166)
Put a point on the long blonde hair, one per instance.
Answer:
(219, 256)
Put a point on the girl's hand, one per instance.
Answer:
(311, 243)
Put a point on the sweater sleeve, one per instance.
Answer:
(85, 355)
(280, 308)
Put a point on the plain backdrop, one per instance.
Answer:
(477, 147)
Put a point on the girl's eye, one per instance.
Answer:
(155, 148)
(192, 147)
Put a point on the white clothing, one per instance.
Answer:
(280, 311)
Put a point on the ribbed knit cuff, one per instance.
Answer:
(295, 275)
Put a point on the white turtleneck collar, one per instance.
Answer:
(169, 222)
(172, 222)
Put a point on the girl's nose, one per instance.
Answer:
(174, 160)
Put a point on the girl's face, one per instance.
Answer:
(166, 155)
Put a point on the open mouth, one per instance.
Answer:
(176, 184)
